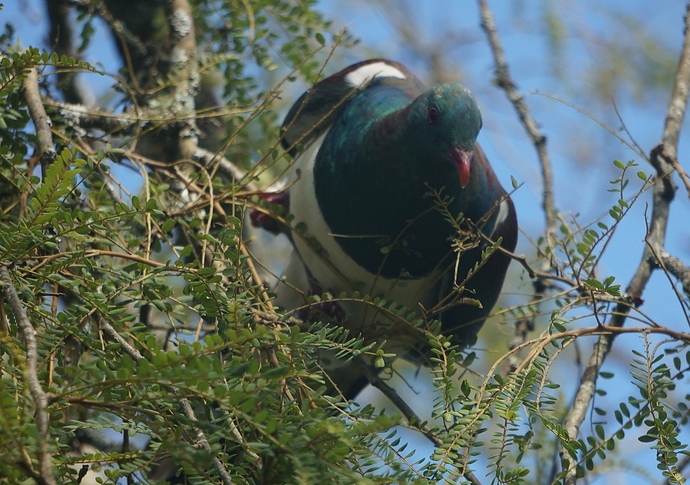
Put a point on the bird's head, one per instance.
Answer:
(446, 122)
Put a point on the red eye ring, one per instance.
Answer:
(433, 116)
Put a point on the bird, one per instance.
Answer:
(391, 199)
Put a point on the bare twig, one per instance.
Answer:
(664, 190)
(119, 28)
(40, 397)
(401, 15)
(505, 82)
(376, 381)
(683, 176)
(46, 152)
(203, 442)
(412, 418)
(207, 158)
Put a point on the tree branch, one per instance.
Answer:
(82, 117)
(201, 439)
(183, 61)
(61, 40)
(505, 82)
(677, 268)
(664, 191)
(679, 95)
(40, 397)
(46, 152)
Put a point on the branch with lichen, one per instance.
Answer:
(183, 62)
(676, 267)
(45, 149)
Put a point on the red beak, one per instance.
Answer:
(461, 160)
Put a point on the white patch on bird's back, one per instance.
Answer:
(367, 72)
(332, 268)
(503, 211)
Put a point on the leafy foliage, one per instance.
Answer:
(155, 333)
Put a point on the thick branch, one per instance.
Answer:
(61, 40)
(664, 190)
(183, 61)
(677, 268)
(82, 117)
(46, 152)
(679, 95)
(40, 397)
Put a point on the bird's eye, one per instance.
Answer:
(432, 116)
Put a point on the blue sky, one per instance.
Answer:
(582, 152)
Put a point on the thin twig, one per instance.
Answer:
(126, 36)
(505, 82)
(376, 381)
(40, 397)
(201, 439)
(664, 190)
(405, 409)
(46, 152)
(207, 158)
(683, 176)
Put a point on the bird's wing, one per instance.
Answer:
(316, 109)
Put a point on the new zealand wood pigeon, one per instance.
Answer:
(383, 169)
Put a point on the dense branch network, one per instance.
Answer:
(663, 159)
(663, 192)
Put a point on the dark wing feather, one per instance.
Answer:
(316, 109)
